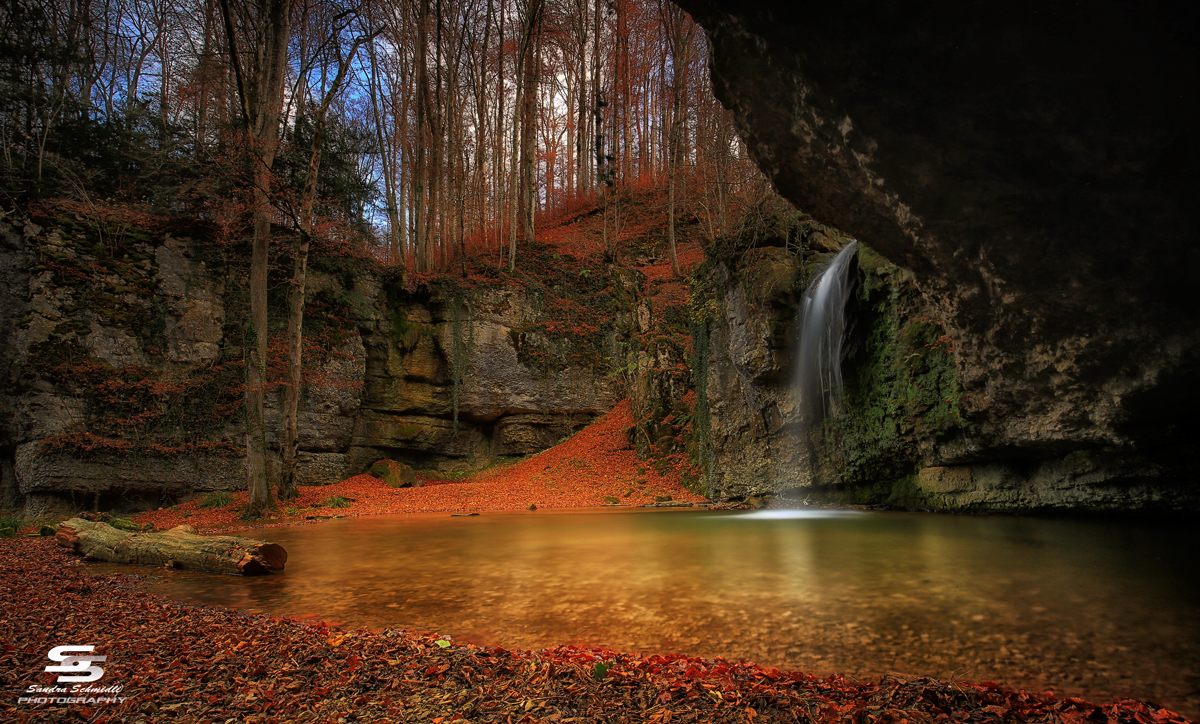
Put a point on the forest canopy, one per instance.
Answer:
(426, 128)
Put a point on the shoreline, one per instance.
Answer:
(189, 663)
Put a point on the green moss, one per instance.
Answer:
(408, 432)
(407, 334)
(460, 351)
(72, 326)
(125, 524)
(901, 391)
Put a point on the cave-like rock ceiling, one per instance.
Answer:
(1033, 163)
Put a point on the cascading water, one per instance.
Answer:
(823, 331)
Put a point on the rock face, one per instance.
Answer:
(121, 363)
(120, 378)
(749, 376)
(446, 387)
(1032, 165)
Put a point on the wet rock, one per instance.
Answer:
(992, 179)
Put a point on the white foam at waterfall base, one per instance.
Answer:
(795, 513)
(822, 338)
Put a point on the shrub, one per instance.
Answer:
(337, 501)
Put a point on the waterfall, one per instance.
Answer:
(823, 332)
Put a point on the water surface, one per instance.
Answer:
(1103, 609)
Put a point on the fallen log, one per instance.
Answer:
(178, 547)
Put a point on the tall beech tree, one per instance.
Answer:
(531, 33)
(521, 173)
(256, 34)
(303, 219)
(680, 32)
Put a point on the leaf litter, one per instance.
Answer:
(594, 464)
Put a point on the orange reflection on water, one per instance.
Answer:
(1102, 609)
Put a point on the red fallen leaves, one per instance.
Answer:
(594, 464)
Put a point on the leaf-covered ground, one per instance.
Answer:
(182, 663)
(594, 464)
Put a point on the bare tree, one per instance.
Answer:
(680, 32)
(259, 73)
(333, 28)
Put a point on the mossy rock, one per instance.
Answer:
(396, 475)
(755, 503)
(46, 530)
(662, 498)
(8, 532)
(610, 500)
(125, 524)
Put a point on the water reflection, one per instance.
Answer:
(1094, 608)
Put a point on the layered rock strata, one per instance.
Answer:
(121, 365)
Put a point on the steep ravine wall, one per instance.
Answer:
(1031, 165)
(900, 437)
(121, 365)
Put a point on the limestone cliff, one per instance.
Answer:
(122, 369)
(446, 385)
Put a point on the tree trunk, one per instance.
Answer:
(514, 170)
(680, 41)
(422, 256)
(178, 547)
(261, 98)
(291, 403)
(529, 82)
(295, 364)
(257, 460)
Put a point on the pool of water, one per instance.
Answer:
(1105, 609)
